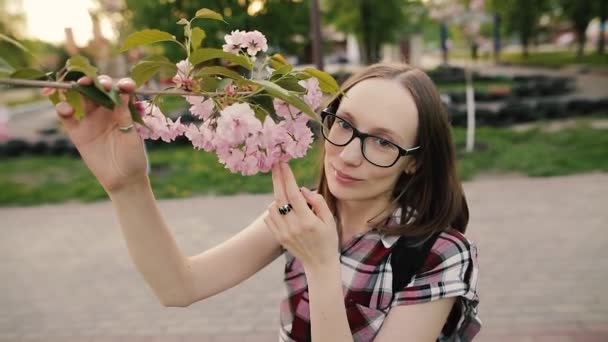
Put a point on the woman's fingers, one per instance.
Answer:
(126, 85)
(85, 81)
(292, 190)
(66, 115)
(318, 204)
(274, 223)
(105, 81)
(89, 105)
(277, 185)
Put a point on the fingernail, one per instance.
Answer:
(305, 190)
(125, 82)
(63, 108)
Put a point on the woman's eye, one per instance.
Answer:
(383, 142)
(344, 124)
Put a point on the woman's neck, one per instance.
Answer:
(353, 216)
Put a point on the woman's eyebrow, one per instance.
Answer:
(380, 130)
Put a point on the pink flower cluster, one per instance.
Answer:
(241, 141)
(253, 41)
(183, 79)
(160, 126)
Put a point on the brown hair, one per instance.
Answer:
(434, 190)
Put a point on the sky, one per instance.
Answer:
(46, 20)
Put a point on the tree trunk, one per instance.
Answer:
(603, 14)
(474, 48)
(524, 45)
(602, 41)
(496, 34)
(443, 37)
(582, 38)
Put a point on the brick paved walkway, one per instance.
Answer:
(66, 274)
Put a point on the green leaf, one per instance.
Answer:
(327, 83)
(209, 83)
(136, 115)
(146, 37)
(197, 38)
(75, 100)
(282, 70)
(205, 13)
(54, 97)
(96, 95)
(143, 71)
(14, 42)
(205, 54)
(291, 83)
(260, 113)
(28, 74)
(283, 94)
(5, 68)
(302, 76)
(277, 60)
(218, 70)
(81, 64)
(221, 85)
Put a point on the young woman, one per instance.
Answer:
(388, 183)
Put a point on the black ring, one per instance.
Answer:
(283, 210)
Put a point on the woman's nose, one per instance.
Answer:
(351, 153)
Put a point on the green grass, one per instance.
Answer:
(183, 172)
(553, 59)
(535, 153)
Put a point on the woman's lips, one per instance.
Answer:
(344, 178)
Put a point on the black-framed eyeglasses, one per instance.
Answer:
(376, 150)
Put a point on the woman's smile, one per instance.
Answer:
(343, 178)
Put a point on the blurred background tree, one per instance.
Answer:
(373, 24)
(580, 13)
(284, 22)
(521, 17)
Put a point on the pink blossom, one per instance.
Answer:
(183, 79)
(284, 110)
(236, 122)
(199, 108)
(161, 126)
(255, 42)
(234, 41)
(313, 92)
(201, 137)
(141, 107)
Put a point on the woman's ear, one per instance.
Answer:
(410, 167)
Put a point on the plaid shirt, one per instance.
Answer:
(450, 270)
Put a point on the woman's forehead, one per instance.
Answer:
(381, 103)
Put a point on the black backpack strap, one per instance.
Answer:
(408, 256)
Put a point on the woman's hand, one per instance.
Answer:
(310, 235)
(117, 159)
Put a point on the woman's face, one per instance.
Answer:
(383, 108)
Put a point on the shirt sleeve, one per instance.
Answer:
(450, 270)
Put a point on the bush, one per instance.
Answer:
(580, 106)
(40, 148)
(16, 147)
(512, 112)
(550, 109)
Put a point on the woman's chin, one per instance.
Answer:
(343, 193)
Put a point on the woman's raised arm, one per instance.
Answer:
(178, 280)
